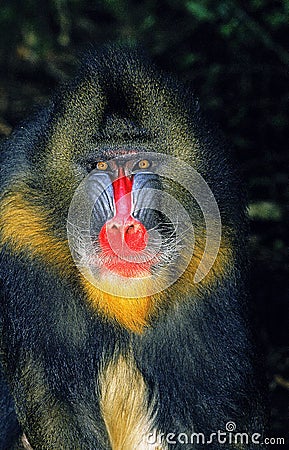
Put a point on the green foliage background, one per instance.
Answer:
(235, 56)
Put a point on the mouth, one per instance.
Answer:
(117, 257)
(124, 268)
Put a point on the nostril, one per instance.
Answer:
(136, 236)
(130, 229)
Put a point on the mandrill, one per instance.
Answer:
(124, 319)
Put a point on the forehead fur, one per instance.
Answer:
(118, 96)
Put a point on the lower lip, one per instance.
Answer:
(127, 269)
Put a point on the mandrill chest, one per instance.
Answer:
(128, 416)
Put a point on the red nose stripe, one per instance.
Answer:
(122, 188)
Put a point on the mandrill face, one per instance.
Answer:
(131, 233)
(123, 241)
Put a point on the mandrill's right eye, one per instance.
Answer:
(101, 165)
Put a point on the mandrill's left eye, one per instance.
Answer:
(143, 164)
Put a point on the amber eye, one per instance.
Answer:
(144, 164)
(101, 165)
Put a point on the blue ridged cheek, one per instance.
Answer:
(100, 193)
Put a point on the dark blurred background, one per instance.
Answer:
(235, 56)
